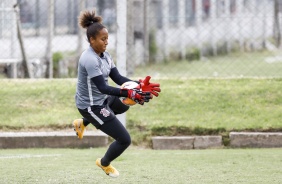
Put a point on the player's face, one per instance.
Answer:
(100, 42)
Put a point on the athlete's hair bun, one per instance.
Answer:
(87, 18)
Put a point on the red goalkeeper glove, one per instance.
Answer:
(137, 95)
(146, 86)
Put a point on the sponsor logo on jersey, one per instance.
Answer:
(105, 112)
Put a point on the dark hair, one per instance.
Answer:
(91, 22)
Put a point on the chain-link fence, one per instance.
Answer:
(202, 38)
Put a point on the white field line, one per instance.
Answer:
(28, 156)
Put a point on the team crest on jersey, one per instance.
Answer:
(105, 112)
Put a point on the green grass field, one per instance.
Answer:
(226, 166)
(214, 103)
(184, 107)
(253, 64)
(197, 98)
(209, 103)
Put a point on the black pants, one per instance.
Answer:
(103, 118)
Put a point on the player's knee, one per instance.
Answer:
(117, 106)
(126, 141)
(122, 109)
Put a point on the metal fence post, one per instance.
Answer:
(80, 32)
(50, 37)
(213, 25)
(199, 16)
(121, 44)
(165, 22)
(181, 8)
(146, 31)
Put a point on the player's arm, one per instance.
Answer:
(117, 77)
(145, 84)
(103, 87)
(134, 94)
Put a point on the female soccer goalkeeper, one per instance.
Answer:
(98, 102)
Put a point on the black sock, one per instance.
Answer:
(104, 163)
(85, 122)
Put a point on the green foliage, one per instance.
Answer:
(153, 49)
(193, 54)
(57, 56)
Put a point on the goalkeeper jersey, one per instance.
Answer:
(91, 65)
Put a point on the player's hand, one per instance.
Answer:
(146, 86)
(138, 96)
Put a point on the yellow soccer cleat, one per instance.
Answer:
(79, 127)
(109, 170)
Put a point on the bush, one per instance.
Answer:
(153, 49)
(57, 56)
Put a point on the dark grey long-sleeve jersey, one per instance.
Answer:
(91, 65)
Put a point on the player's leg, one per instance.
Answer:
(116, 105)
(104, 119)
(116, 130)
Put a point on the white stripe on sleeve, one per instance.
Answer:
(90, 90)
